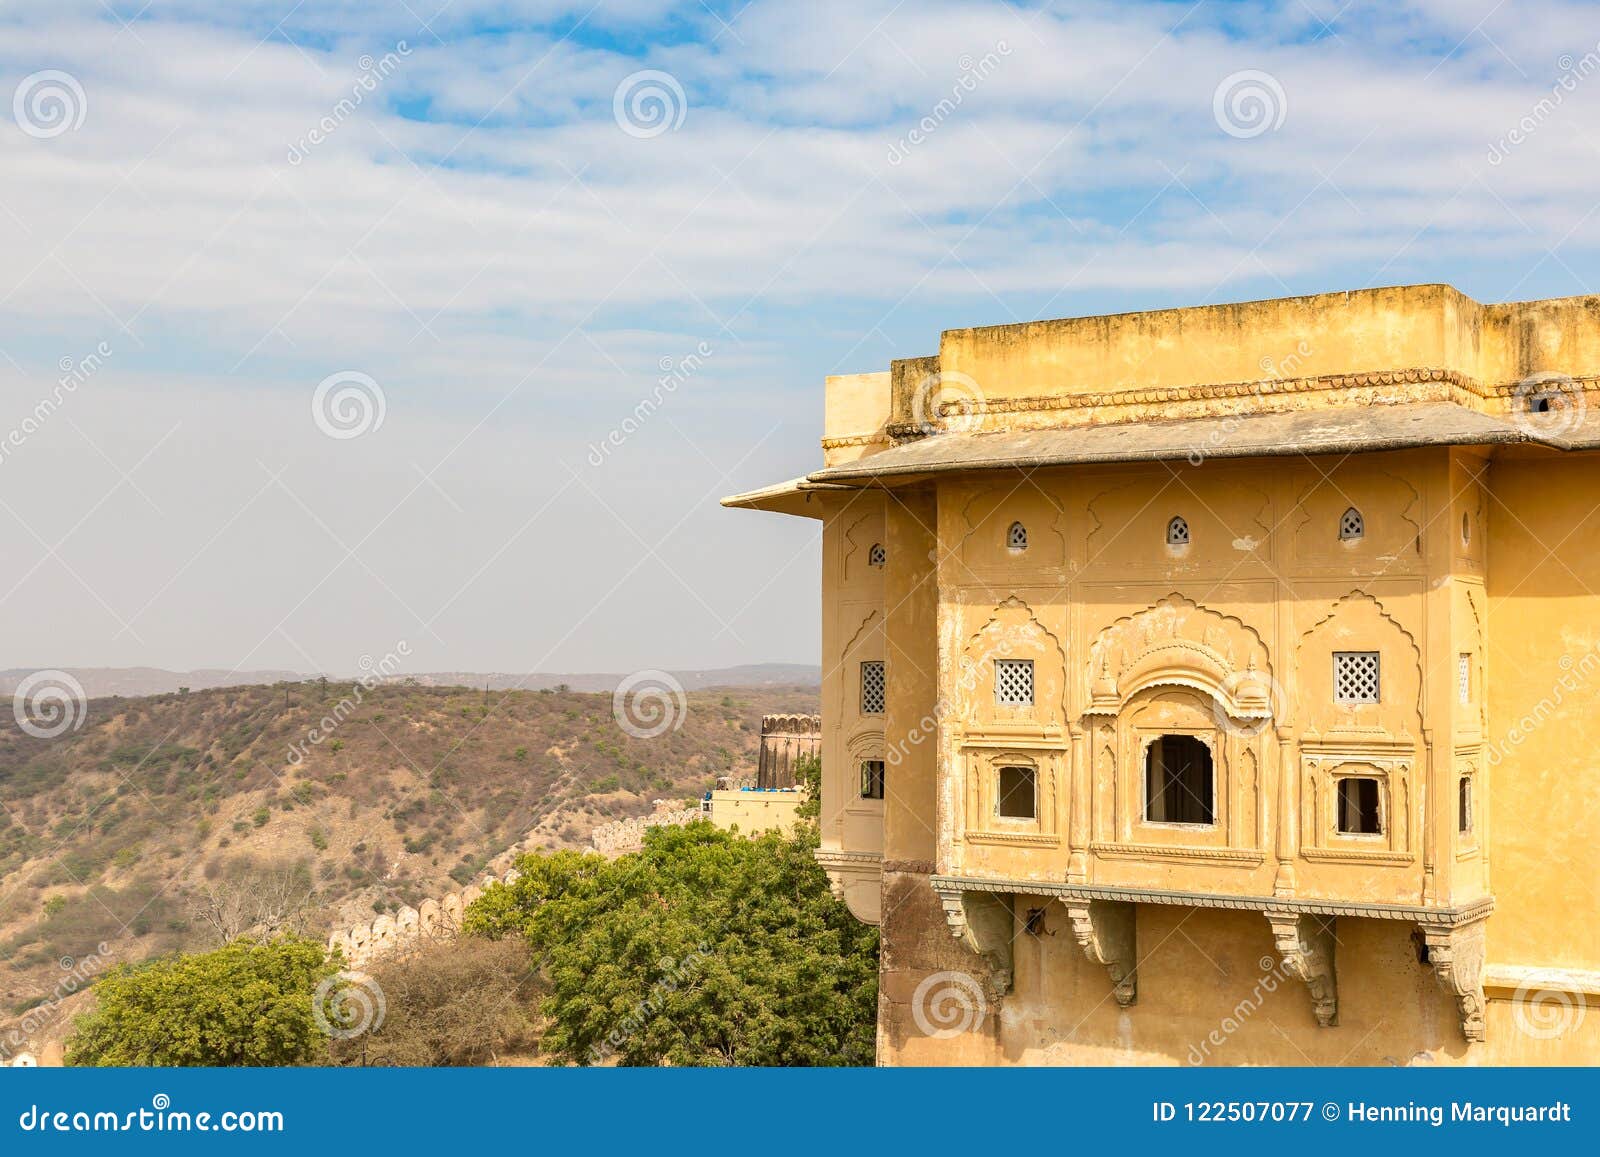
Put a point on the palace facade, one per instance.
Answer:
(1219, 685)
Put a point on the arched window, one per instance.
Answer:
(1351, 525)
(1178, 781)
(1178, 531)
(877, 556)
(1017, 537)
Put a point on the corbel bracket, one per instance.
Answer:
(1106, 931)
(1456, 954)
(983, 921)
(1306, 946)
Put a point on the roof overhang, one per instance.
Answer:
(1297, 432)
(796, 496)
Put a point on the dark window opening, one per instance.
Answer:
(872, 779)
(1178, 781)
(1359, 814)
(1018, 793)
(1464, 805)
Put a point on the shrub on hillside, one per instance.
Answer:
(245, 1004)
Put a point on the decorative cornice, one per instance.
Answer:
(1166, 395)
(914, 867)
(1442, 917)
(844, 441)
(839, 858)
(1017, 839)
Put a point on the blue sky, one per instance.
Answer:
(509, 262)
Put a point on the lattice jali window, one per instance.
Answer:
(1464, 678)
(1355, 676)
(877, 556)
(1013, 682)
(1017, 537)
(1352, 525)
(1178, 531)
(872, 688)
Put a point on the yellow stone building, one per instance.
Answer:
(1218, 685)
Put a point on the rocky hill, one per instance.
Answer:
(165, 822)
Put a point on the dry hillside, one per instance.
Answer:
(117, 831)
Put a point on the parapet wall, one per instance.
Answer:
(621, 836)
(396, 934)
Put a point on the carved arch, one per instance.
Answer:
(1176, 642)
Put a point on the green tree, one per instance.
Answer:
(246, 1004)
(704, 948)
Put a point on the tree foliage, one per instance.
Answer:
(249, 1003)
(704, 948)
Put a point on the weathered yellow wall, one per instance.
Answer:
(754, 811)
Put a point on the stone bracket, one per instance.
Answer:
(1106, 931)
(1456, 953)
(984, 922)
(1305, 944)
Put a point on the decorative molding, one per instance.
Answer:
(915, 867)
(839, 443)
(1222, 390)
(1469, 913)
(1456, 953)
(1530, 977)
(1356, 856)
(1014, 839)
(1306, 946)
(1117, 851)
(1107, 931)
